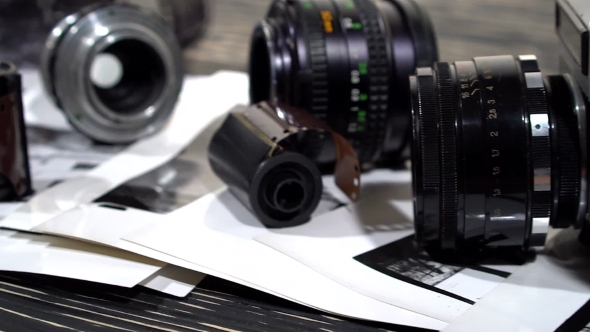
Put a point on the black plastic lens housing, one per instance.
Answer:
(347, 62)
(498, 154)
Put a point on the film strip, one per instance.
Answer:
(15, 178)
(262, 154)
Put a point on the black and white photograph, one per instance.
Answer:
(56, 156)
(170, 186)
(579, 321)
(403, 260)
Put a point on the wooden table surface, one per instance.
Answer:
(465, 28)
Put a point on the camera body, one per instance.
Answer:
(572, 21)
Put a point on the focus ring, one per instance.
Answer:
(448, 161)
(318, 63)
(428, 121)
(378, 79)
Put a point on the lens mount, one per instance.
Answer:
(265, 56)
(580, 108)
(114, 70)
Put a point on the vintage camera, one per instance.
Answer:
(15, 177)
(347, 63)
(500, 152)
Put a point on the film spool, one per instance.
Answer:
(15, 176)
(260, 153)
(114, 70)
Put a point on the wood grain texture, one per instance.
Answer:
(465, 28)
(38, 303)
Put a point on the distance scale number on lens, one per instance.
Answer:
(358, 55)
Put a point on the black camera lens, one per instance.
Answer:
(499, 154)
(346, 62)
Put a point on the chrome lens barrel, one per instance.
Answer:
(114, 70)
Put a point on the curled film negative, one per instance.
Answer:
(15, 177)
(261, 153)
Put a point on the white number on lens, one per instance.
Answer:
(355, 94)
(355, 77)
(496, 171)
(493, 114)
(347, 22)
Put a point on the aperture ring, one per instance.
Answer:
(538, 113)
(428, 122)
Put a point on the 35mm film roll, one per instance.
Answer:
(15, 177)
(260, 153)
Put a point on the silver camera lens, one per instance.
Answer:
(114, 70)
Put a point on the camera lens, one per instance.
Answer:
(498, 155)
(114, 70)
(346, 62)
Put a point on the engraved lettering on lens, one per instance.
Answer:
(328, 18)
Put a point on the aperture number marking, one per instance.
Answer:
(496, 170)
(355, 77)
(492, 114)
